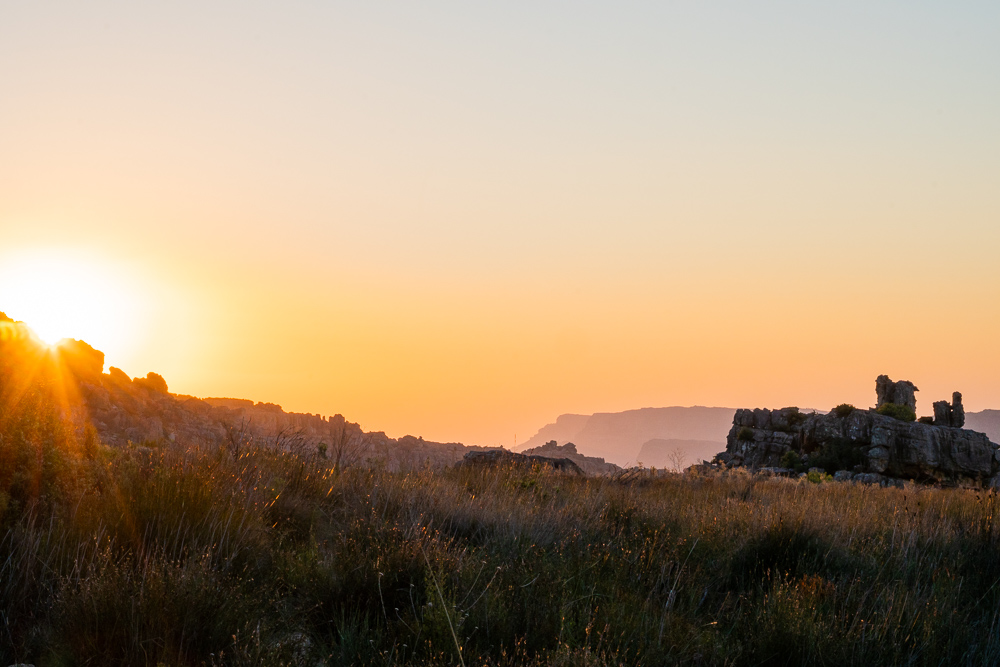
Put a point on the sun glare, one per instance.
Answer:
(71, 297)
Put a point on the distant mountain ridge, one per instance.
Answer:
(651, 435)
(619, 436)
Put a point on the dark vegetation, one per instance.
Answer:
(252, 555)
(795, 419)
(901, 412)
(844, 409)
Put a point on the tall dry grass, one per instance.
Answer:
(258, 556)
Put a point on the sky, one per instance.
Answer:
(460, 220)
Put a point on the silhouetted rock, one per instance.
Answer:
(899, 393)
(80, 357)
(591, 465)
(957, 410)
(153, 381)
(950, 414)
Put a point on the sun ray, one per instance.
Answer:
(70, 295)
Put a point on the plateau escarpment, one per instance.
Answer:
(883, 444)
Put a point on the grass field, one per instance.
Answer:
(153, 555)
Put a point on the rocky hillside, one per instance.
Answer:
(124, 411)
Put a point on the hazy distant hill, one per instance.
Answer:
(987, 421)
(619, 436)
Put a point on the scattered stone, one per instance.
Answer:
(868, 478)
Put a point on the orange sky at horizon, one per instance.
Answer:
(462, 222)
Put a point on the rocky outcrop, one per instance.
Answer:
(898, 393)
(141, 412)
(950, 414)
(591, 465)
(81, 358)
(864, 442)
(496, 457)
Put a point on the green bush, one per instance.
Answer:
(844, 409)
(903, 413)
(791, 459)
(796, 418)
(745, 434)
(818, 477)
(837, 454)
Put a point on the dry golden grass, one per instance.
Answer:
(164, 556)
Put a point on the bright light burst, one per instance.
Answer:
(62, 295)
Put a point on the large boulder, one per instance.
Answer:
(494, 457)
(81, 358)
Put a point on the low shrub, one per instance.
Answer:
(817, 476)
(837, 454)
(903, 413)
(745, 434)
(796, 418)
(791, 459)
(844, 409)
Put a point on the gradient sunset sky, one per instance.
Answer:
(459, 220)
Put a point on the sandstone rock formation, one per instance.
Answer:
(950, 414)
(898, 393)
(863, 442)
